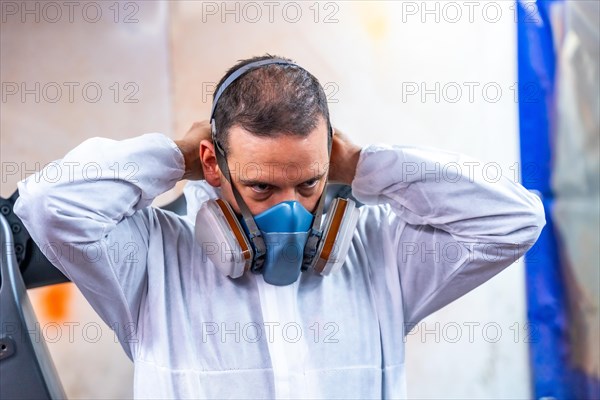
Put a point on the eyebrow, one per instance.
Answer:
(252, 182)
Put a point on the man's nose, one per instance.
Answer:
(274, 199)
(289, 194)
(292, 195)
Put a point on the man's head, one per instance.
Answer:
(273, 124)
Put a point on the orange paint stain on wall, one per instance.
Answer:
(53, 302)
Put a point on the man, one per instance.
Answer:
(430, 230)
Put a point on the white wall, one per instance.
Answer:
(367, 55)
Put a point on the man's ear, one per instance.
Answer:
(209, 163)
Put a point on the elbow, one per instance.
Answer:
(26, 203)
(534, 221)
(538, 216)
(30, 206)
(37, 209)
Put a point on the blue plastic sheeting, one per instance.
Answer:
(536, 89)
(551, 371)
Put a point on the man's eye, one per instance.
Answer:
(261, 187)
(310, 184)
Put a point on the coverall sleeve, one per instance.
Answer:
(453, 222)
(89, 214)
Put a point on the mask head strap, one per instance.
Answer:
(255, 236)
(315, 234)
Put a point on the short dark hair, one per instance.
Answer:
(270, 100)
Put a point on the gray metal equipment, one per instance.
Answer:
(26, 369)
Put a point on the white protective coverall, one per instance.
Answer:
(433, 228)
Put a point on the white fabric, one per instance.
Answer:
(431, 230)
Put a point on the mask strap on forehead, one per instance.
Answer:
(239, 72)
(230, 79)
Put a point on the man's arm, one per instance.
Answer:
(452, 223)
(89, 214)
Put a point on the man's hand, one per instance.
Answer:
(344, 158)
(190, 147)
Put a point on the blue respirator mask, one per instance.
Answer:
(280, 242)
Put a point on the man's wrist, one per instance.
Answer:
(343, 169)
(191, 157)
(350, 167)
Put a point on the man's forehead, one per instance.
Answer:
(283, 156)
(279, 148)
